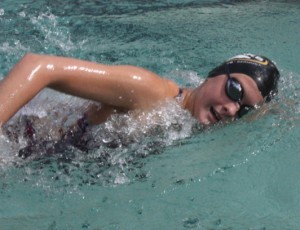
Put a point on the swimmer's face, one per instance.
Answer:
(212, 104)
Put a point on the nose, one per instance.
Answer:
(230, 109)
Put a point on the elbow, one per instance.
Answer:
(32, 61)
(33, 67)
(30, 58)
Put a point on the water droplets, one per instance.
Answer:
(134, 77)
(113, 150)
(22, 14)
(55, 34)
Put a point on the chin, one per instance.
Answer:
(203, 121)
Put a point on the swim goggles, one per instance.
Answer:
(234, 91)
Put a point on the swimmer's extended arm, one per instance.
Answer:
(125, 87)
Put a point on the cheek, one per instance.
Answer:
(214, 96)
(212, 93)
(258, 99)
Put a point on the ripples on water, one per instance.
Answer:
(113, 152)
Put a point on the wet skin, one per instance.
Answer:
(209, 103)
(117, 88)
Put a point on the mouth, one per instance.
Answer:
(215, 114)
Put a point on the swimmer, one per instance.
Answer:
(230, 90)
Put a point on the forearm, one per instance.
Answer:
(20, 86)
(35, 72)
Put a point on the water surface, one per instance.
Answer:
(167, 174)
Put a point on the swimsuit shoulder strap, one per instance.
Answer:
(180, 91)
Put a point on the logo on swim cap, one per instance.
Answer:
(261, 69)
(249, 58)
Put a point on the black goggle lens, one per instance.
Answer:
(234, 91)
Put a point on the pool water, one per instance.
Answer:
(142, 174)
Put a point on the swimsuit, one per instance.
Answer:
(74, 136)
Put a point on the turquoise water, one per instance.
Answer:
(167, 174)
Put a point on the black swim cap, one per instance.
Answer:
(261, 69)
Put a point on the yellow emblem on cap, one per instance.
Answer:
(264, 62)
(250, 58)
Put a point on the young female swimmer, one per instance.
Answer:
(229, 91)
